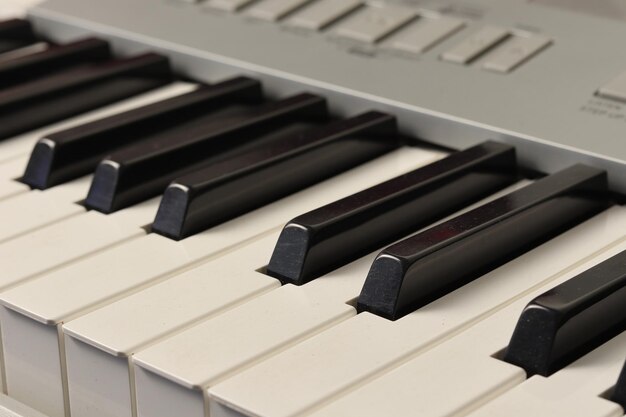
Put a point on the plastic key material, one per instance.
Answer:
(334, 235)
(65, 155)
(52, 59)
(422, 268)
(233, 187)
(68, 93)
(570, 320)
(145, 169)
(15, 33)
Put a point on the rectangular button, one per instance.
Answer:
(323, 13)
(273, 10)
(426, 34)
(515, 52)
(374, 23)
(475, 45)
(616, 89)
(228, 5)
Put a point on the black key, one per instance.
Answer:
(69, 154)
(236, 186)
(619, 392)
(68, 93)
(144, 170)
(570, 320)
(15, 33)
(424, 267)
(53, 59)
(334, 235)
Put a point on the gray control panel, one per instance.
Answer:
(548, 76)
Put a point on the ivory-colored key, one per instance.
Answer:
(281, 318)
(99, 345)
(366, 346)
(37, 208)
(81, 287)
(457, 376)
(69, 240)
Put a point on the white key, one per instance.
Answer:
(279, 316)
(457, 376)
(99, 344)
(23, 144)
(47, 301)
(9, 171)
(365, 346)
(193, 360)
(68, 240)
(29, 211)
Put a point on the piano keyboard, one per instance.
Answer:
(237, 245)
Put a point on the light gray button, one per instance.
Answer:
(475, 45)
(616, 89)
(374, 22)
(228, 5)
(273, 10)
(425, 34)
(515, 52)
(323, 13)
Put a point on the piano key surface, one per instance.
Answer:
(21, 145)
(458, 376)
(365, 346)
(142, 262)
(488, 376)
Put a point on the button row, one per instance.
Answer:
(407, 30)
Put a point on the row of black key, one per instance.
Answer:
(226, 150)
(48, 85)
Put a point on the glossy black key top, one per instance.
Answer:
(15, 33)
(53, 59)
(68, 93)
(334, 235)
(619, 392)
(69, 154)
(233, 187)
(144, 170)
(570, 320)
(424, 267)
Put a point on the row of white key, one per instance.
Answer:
(282, 317)
(247, 308)
(341, 312)
(612, 226)
(51, 299)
